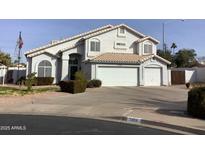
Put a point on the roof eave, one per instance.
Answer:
(148, 38)
(66, 40)
(162, 59)
(112, 62)
(34, 55)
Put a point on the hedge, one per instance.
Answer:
(73, 86)
(44, 81)
(196, 102)
(21, 80)
(94, 83)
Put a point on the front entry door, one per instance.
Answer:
(73, 69)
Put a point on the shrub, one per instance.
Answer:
(30, 81)
(44, 81)
(79, 75)
(10, 80)
(72, 86)
(187, 85)
(94, 83)
(21, 80)
(196, 102)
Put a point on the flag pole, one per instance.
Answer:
(19, 54)
(19, 51)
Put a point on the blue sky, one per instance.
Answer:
(187, 34)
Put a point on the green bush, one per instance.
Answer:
(21, 80)
(79, 75)
(196, 102)
(94, 83)
(72, 86)
(30, 81)
(44, 81)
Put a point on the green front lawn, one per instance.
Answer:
(18, 91)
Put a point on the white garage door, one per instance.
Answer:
(152, 76)
(118, 76)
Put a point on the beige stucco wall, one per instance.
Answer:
(107, 44)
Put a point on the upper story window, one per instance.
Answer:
(120, 45)
(148, 48)
(95, 45)
(121, 32)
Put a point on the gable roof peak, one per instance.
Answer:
(69, 38)
(122, 24)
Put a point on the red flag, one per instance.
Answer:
(20, 41)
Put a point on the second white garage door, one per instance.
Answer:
(118, 76)
(152, 76)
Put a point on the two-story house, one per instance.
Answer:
(117, 55)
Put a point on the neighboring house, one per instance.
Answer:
(12, 73)
(117, 55)
(9, 74)
(3, 70)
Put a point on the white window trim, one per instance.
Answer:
(44, 69)
(121, 34)
(116, 46)
(94, 40)
(147, 43)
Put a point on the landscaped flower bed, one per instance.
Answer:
(12, 91)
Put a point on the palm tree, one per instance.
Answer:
(173, 47)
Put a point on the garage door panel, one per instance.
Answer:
(152, 76)
(118, 76)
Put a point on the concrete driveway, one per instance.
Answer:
(105, 101)
(166, 105)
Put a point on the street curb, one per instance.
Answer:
(161, 125)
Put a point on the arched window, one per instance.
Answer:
(44, 69)
(95, 45)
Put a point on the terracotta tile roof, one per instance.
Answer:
(121, 58)
(128, 58)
